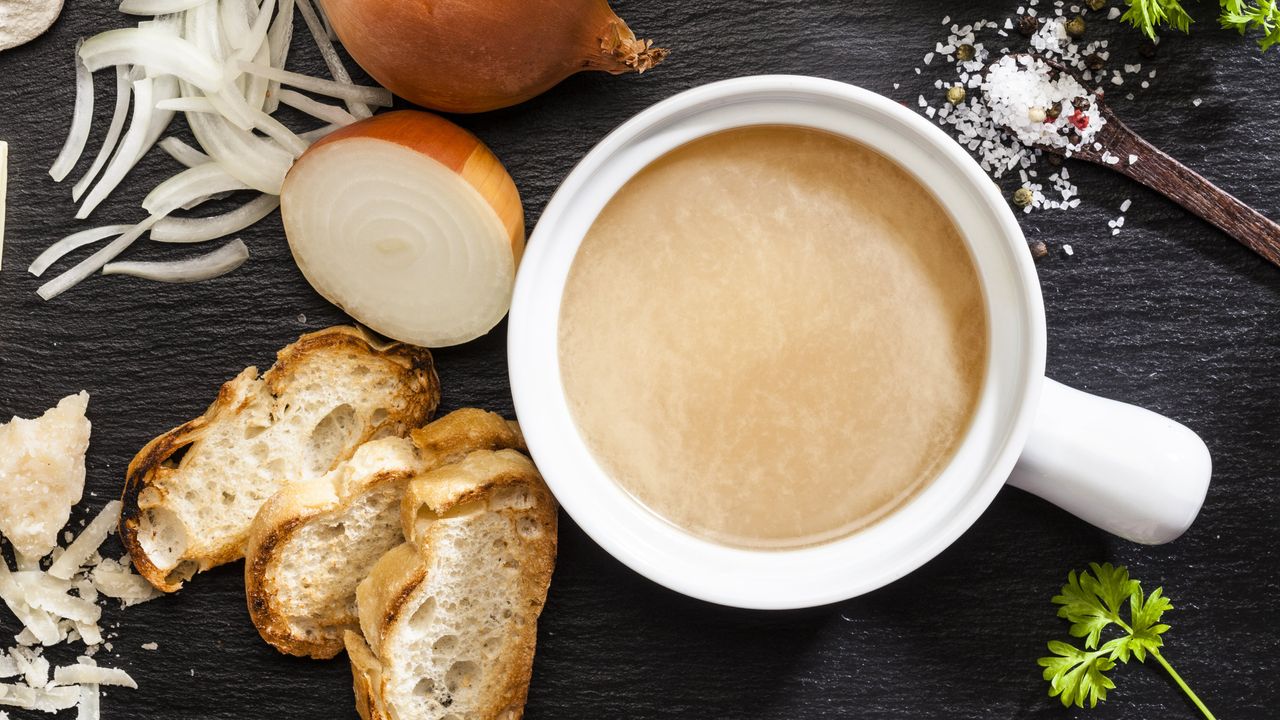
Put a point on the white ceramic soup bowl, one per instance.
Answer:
(1099, 459)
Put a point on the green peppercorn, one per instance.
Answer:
(1028, 25)
(1022, 197)
(1075, 26)
(1094, 62)
(955, 94)
(1096, 5)
(965, 52)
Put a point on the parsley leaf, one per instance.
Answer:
(1076, 676)
(1092, 601)
(1241, 15)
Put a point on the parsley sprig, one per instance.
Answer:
(1241, 15)
(1092, 603)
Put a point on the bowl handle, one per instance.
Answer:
(1127, 470)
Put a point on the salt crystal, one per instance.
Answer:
(1197, 102)
(1116, 231)
(1124, 206)
(1133, 160)
(1113, 13)
(928, 58)
(1067, 249)
(922, 102)
(946, 20)
(1120, 221)
(150, 646)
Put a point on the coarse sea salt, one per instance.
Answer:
(1019, 91)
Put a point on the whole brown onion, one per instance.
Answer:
(476, 55)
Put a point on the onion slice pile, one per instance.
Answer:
(410, 224)
(221, 65)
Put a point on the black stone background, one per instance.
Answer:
(1171, 315)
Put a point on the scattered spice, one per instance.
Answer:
(955, 94)
(1028, 25)
(965, 53)
(1036, 114)
(1075, 27)
(1095, 62)
(1023, 196)
(1096, 5)
(1039, 249)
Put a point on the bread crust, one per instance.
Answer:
(443, 441)
(401, 580)
(148, 472)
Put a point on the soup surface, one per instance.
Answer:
(772, 337)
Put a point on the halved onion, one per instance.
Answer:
(410, 224)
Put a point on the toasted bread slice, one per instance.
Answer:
(449, 619)
(312, 542)
(191, 493)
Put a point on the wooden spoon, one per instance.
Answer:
(1155, 169)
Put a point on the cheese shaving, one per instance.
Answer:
(90, 539)
(84, 674)
(4, 190)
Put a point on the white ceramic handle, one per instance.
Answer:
(1127, 470)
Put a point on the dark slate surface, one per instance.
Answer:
(1170, 314)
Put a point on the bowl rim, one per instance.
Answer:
(761, 579)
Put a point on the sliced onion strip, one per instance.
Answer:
(203, 267)
(187, 104)
(183, 152)
(279, 37)
(234, 22)
(81, 118)
(194, 183)
(316, 109)
(130, 148)
(194, 230)
(330, 55)
(56, 251)
(160, 52)
(124, 90)
(257, 36)
(91, 264)
(377, 96)
(157, 7)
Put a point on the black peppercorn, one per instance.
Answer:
(1039, 249)
(1028, 24)
(965, 52)
(1054, 159)
(1096, 5)
(1052, 112)
(1075, 26)
(1094, 62)
(1147, 50)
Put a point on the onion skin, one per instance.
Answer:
(468, 56)
(453, 147)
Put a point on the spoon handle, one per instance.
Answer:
(1155, 169)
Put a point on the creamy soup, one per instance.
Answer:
(772, 337)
